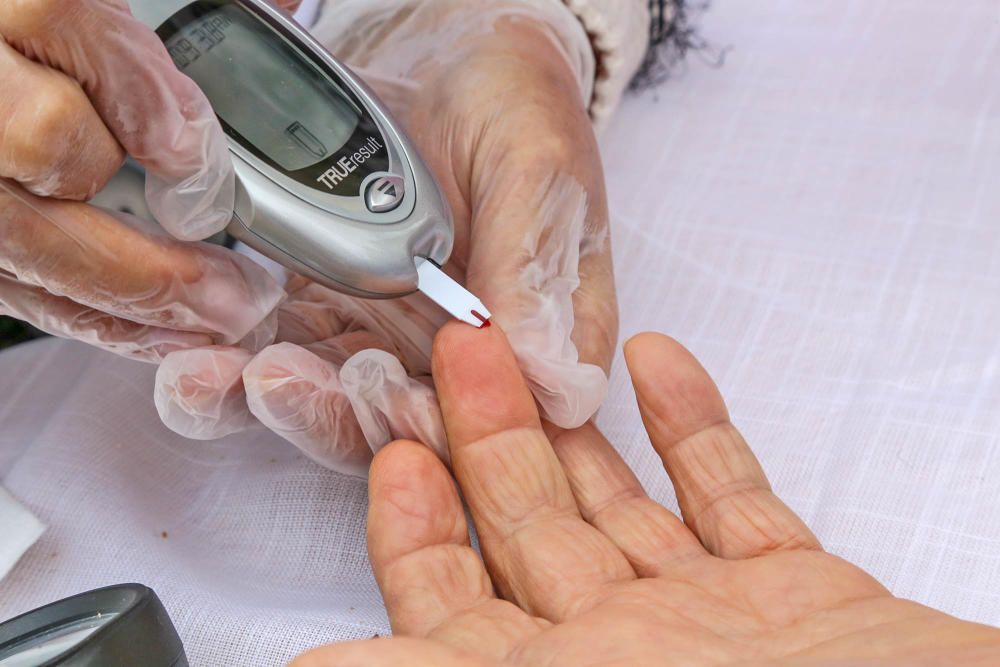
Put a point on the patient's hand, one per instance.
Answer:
(580, 567)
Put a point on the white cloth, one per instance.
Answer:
(817, 220)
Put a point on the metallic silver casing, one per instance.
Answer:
(333, 240)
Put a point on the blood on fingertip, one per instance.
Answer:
(484, 321)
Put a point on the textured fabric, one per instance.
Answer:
(817, 220)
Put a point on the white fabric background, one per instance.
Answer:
(817, 220)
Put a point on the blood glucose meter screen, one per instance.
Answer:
(263, 88)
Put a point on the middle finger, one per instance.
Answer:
(540, 551)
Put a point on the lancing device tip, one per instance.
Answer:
(442, 290)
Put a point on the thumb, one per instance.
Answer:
(526, 265)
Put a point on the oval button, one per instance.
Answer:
(384, 193)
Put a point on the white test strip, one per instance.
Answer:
(451, 296)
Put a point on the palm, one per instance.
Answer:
(580, 567)
(719, 612)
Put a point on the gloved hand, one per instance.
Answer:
(495, 104)
(83, 83)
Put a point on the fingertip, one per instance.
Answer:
(671, 384)
(190, 181)
(299, 396)
(283, 381)
(479, 383)
(412, 503)
(653, 354)
(645, 340)
(196, 373)
(399, 461)
(389, 404)
(454, 335)
(199, 393)
(196, 208)
(280, 360)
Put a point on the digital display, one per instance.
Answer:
(275, 98)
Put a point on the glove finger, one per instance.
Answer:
(120, 265)
(339, 349)
(314, 313)
(595, 303)
(199, 393)
(159, 115)
(525, 265)
(52, 141)
(299, 396)
(65, 318)
(390, 405)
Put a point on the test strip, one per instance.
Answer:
(451, 296)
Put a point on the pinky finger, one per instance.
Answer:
(65, 318)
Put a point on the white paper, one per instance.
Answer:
(19, 530)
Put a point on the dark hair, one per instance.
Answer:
(672, 37)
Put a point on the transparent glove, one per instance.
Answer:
(83, 84)
(494, 103)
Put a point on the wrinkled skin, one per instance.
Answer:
(580, 567)
(495, 108)
(83, 83)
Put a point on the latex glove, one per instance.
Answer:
(495, 106)
(580, 567)
(346, 372)
(83, 83)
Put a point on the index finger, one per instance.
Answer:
(540, 551)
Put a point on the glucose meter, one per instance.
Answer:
(328, 184)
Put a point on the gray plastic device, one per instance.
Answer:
(117, 626)
(328, 184)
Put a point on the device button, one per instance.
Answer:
(384, 193)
